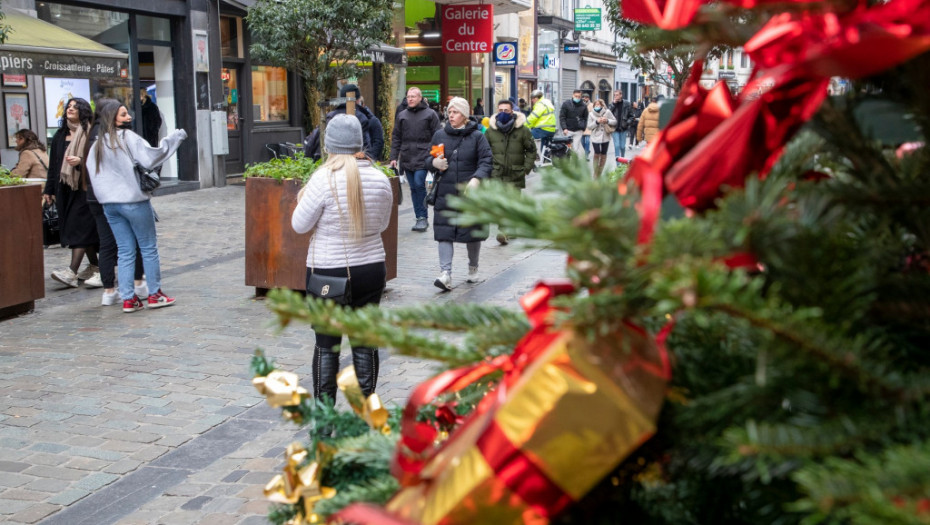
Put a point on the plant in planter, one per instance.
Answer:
(21, 258)
(275, 255)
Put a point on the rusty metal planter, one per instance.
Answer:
(276, 256)
(22, 261)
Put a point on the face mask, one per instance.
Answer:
(598, 109)
(125, 125)
(576, 100)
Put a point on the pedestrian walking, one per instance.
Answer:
(573, 119)
(410, 140)
(151, 118)
(586, 137)
(33, 160)
(66, 185)
(637, 113)
(466, 161)
(600, 123)
(513, 149)
(127, 208)
(347, 203)
(623, 112)
(479, 108)
(649, 122)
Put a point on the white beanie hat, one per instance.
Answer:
(461, 105)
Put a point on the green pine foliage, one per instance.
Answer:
(800, 384)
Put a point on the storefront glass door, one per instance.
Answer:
(234, 118)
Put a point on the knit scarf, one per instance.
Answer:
(69, 175)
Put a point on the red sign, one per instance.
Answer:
(467, 28)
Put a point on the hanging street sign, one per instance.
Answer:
(505, 54)
(587, 19)
(467, 28)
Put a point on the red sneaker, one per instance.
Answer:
(133, 304)
(159, 300)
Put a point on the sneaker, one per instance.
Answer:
(109, 299)
(421, 225)
(88, 272)
(132, 305)
(501, 238)
(94, 281)
(66, 276)
(142, 290)
(444, 281)
(473, 273)
(160, 300)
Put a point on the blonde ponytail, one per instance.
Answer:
(356, 212)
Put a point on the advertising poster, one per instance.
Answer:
(57, 93)
(16, 114)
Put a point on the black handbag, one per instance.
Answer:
(334, 288)
(430, 199)
(149, 180)
(51, 233)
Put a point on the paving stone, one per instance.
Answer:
(196, 503)
(10, 506)
(23, 494)
(35, 513)
(95, 481)
(122, 466)
(80, 463)
(48, 485)
(13, 466)
(11, 480)
(68, 497)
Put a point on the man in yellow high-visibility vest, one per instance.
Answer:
(541, 119)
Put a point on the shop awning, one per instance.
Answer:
(35, 47)
(501, 7)
(598, 62)
(385, 54)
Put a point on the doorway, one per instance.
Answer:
(232, 92)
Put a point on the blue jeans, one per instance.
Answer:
(417, 182)
(619, 143)
(133, 223)
(586, 143)
(545, 137)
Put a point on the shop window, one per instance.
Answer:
(230, 41)
(422, 74)
(269, 94)
(152, 28)
(458, 81)
(744, 60)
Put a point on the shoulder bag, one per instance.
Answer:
(430, 199)
(149, 181)
(38, 158)
(334, 288)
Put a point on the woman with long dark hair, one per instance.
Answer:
(33, 160)
(347, 203)
(128, 209)
(66, 185)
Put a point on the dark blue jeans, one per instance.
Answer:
(417, 181)
(544, 136)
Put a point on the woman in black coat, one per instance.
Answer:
(467, 159)
(67, 186)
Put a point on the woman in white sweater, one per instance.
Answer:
(129, 212)
(347, 204)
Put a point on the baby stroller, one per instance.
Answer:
(559, 147)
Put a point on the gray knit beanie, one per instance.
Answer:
(343, 135)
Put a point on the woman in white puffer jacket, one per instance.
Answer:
(347, 204)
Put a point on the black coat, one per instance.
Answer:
(413, 130)
(572, 116)
(151, 122)
(624, 114)
(77, 225)
(376, 131)
(469, 156)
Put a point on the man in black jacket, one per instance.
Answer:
(363, 115)
(375, 131)
(573, 119)
(623, 112)
(410, 144)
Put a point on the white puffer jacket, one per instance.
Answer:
(331, 242)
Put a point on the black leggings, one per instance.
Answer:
(107, 254)
(600, 148)
(368, 283)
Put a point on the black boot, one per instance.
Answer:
(325, 368)
(366, 363)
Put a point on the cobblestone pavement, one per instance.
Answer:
(150, 418)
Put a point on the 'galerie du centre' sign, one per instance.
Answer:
(467, 28)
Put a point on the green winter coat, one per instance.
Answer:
(514, 153)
